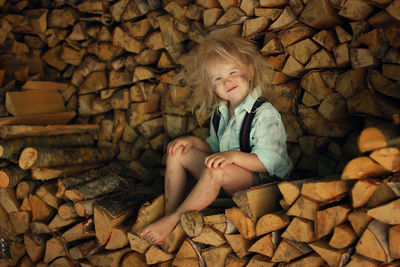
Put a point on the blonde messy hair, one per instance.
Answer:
(233, 48)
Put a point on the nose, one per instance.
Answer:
(227, 80)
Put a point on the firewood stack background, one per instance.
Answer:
(88, 105)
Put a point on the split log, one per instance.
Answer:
(243, 223)
(327, 219)
(24, 188)
(363, 167)
(299, 230)
(362, 192)
(259, 200)
(59, 118)
(334, 257)
(82, 230)
(57, 223)
(148, 213)
(50, 157)
(47, 193)
(387, 212)
(266, 245)
(134, 259)
(379, 136)
(304, 208)
(388, 189)
(174, 240)
(312, 260)
(272, 222)
(46, 173)
(35, 246)
(84, 208)
(67, 211)
(374, 242)
(54, 248)
(210, 236)
(329, 190)
(12, 175)
(394, 235)
(216, 256)
(239, 244)
(137, 243)
(155, 255)
(118, 237)
(358, 260)
(16, 131)
(108, 258)
(290, 250)
(290, 190)
(388, 157)
(343, 236)
(359, 220)
(20, 221)
(110, 183)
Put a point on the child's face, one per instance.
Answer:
(228, 81)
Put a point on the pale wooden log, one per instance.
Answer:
(333, 107)
(48, 157)
(362, 191)
(325, 38)
(312, 260)
(47, 193)
(233, 260)
(334, 257)
(266, 245)
(210, 236)
(381, 84)
(290, 190)
(374, 242)
(243, 223)
(294, 34)
(64, 261)
(32, 102)
(358, 260)
(40, 119)
(362, 167)
(46, 173)
(290, 250)
(343, 236)
(219, 222)
(375, 41)
(216, 256)
(41, 211)
(57, 223)
(327, 219)
(379, 136)
(349, 82)
(174, 239)
(17, 251)
(26, 261)
(286, 19)
(11, 148)
(67, 211)
(303, 50)
(11, 176)
(107, 184)
(20, 221)
(8, 200)
(231, 16)
(386, 213)
(239, 244)
(23, 130)
(359, 220)
(192, 223)
(320, 15)
(35, 246)
(356, 10)
(81, 230)
(155, 255)
(84, 208)
(54, 248)
(271, 222)
(387, 190)
(326, 191)
(134, 259)
(388, 157)
(148, 213)
(108, 258)
(137, 243)
(394, 235)
(303, 208)
(299, 230)
(109, 213)
(257, 201)
(118, 237)
(40, 228)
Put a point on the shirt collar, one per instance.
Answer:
(247, 103)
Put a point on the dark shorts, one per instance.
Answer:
(260, 178)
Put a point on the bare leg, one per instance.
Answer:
(176, 176)
(232, 178)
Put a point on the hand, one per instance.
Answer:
(220, 160)
(185, 142)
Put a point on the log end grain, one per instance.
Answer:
(28, 158)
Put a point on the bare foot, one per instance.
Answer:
(158, 231)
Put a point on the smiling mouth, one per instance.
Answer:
(230, 89)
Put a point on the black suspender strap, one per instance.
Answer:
(246, 125)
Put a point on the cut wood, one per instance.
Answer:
(290, 250)
(216, 256)
(388, 157)
(39, 119)
(54, 248)
(239, 244)
(299, 230)
(50, 157)
(192, 223)
(266, 245)
(379, 136)
(46, 173)
(15, 131)
(374, 242)
(312, 260)
(189, 254)
(343, 236)
(328, 190)
(137, 243)
(8, 200)
(272, 222)
(358, 260)
(81, 230)
(210, 236)
(327, 219)
(11, 176)
(387, 190)
(134, 259)
(109, 258)
(67, 211)
(148, 213)
(47, 193)
(20, 221)
(334, 257)
(84, 208)
(359, 220)
(35, 246)
(362, 191)
(387, 212)
(243, 223)
(363, 167)
(304, 208)
(290, 190)
(394, 235)
(174, 239)
(118, 237)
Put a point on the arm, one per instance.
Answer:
(245, 160)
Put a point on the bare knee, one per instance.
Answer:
(216, 176)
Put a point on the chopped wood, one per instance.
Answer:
(326, 191)
(327, 219)
(33, 102)
(257, 201)
(243, 223)
(363, 167)
(47, 193)
(266, 245)
(239, 244)
(387, 190)
(362, 192)
(20, 221)
(174, 239)
(137, 243)
(387, 212)
(192, 223)
(343, 236)
(233, 260)
(81, 230)
(374, 242)
(210, 236)
(118, 237)
(320, 14)
(272, 222)
(303, 208)
(388, 157)
(358, 260)
(299, 230)
(54, 248)
(379, 136)
(290, 190)
(8, 200)
(84, 208)
(289, 250)
(67, 211)
(35, 246)
(39, 119)
(394, 235)
(24, 130)
(47, 173)
(148, 213)
(57, 223)
(334, 257)
(108, 258)
(312, 260)
(11, 176)
(134, 259)
(188, 253)
(216, 256)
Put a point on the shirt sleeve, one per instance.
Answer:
(212, 140)
(268, 138)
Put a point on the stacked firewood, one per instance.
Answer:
(88, 104)
(92, 218)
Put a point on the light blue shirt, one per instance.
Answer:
(267, 136)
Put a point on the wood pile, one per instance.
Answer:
(91, 216)
(87, 99)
